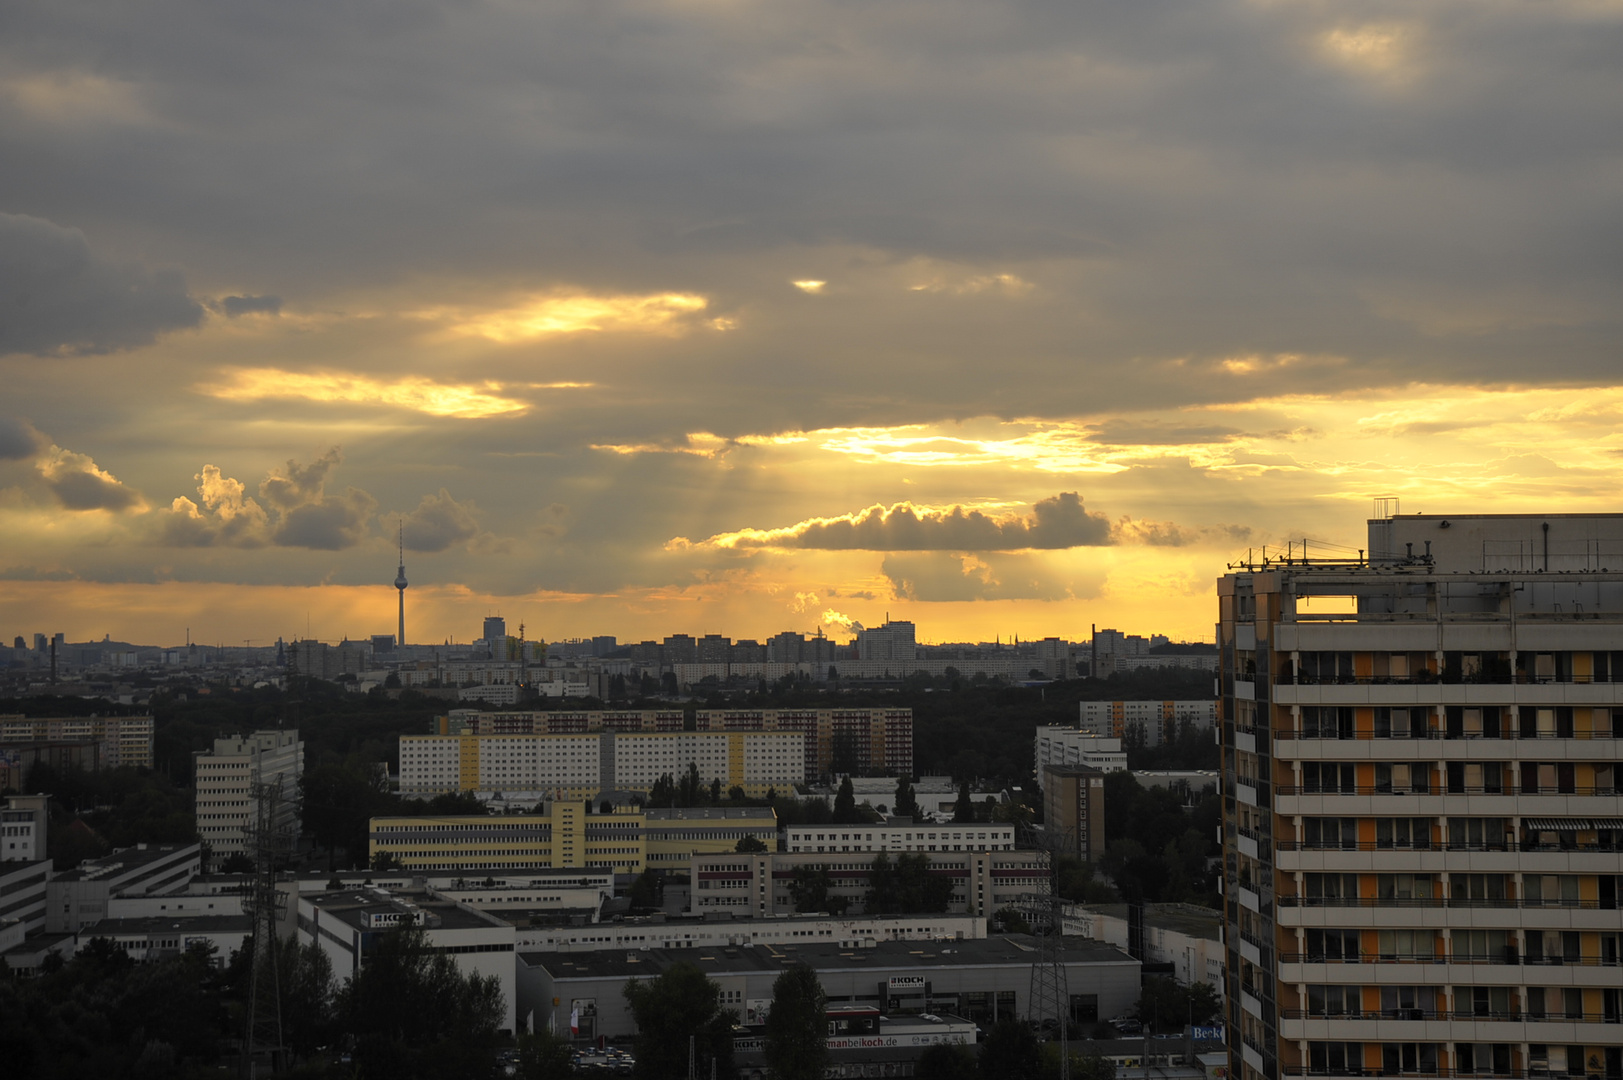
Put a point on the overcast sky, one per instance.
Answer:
(735, 317)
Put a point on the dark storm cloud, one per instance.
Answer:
(58, 297)
(438, 522)
(18, 439)
(88, 491)
(331, 524)
(1196, 180)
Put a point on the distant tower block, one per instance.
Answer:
(400, 584)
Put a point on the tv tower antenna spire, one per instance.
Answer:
(400, 584)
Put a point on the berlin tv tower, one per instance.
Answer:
(400, 584)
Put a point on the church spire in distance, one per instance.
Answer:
(400, 584)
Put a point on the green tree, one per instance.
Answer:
(678, 1004)
(963, 811)
(413, 1014)
(544, 1056)
(845, 804)
(907, 803)
(304, 973)
(797, 1027)
(647, 891)
(750, 844)
(810, 888)
(945, 1061)
(1009, 1052)
(909, 886)
(1168, 1006)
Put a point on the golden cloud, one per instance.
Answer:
(465, 401)
(573, 313)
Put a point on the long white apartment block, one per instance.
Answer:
(1154, 722)
(578, 766)
(898, 836)
(1059, 745)
(225, 779)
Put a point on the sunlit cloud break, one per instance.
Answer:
(467, 401)
(1058, 522)
(571, 313)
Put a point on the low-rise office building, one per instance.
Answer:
(898, 835)
(745, 885)
(75, 898)
(346, 923)
(23, 892)
(150, 938)
(624, 839)
(1189, 938)
(660, 931)
(983, 980)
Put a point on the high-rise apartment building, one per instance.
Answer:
(1151, 722)
(859, 741)
(1074, 809)
(122, 740)
(225, 779)
(892, 641)
(1423, 821)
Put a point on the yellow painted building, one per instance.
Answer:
(570, 834)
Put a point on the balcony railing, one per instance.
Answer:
(1457, 1014)
(1508, 957)
(1441, 902)
(1461, 789)
(1446, 1074)
(1504, 735)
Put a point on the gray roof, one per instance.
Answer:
(709, 813)
(153, 924)
(1184, 918)
(1010, 950)
(123, 861)
(351, 905)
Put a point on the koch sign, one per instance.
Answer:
(906, 982)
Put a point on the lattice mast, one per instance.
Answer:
(1050, 990)
(268, 844)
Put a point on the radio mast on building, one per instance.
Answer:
(400, 584)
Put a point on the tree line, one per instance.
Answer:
(408, 1013)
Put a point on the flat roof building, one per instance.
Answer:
(983, 980)
(626, 839)
(740, 885)
(79, 897)
(1059, 745)
(345, 923)
(225, 777)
